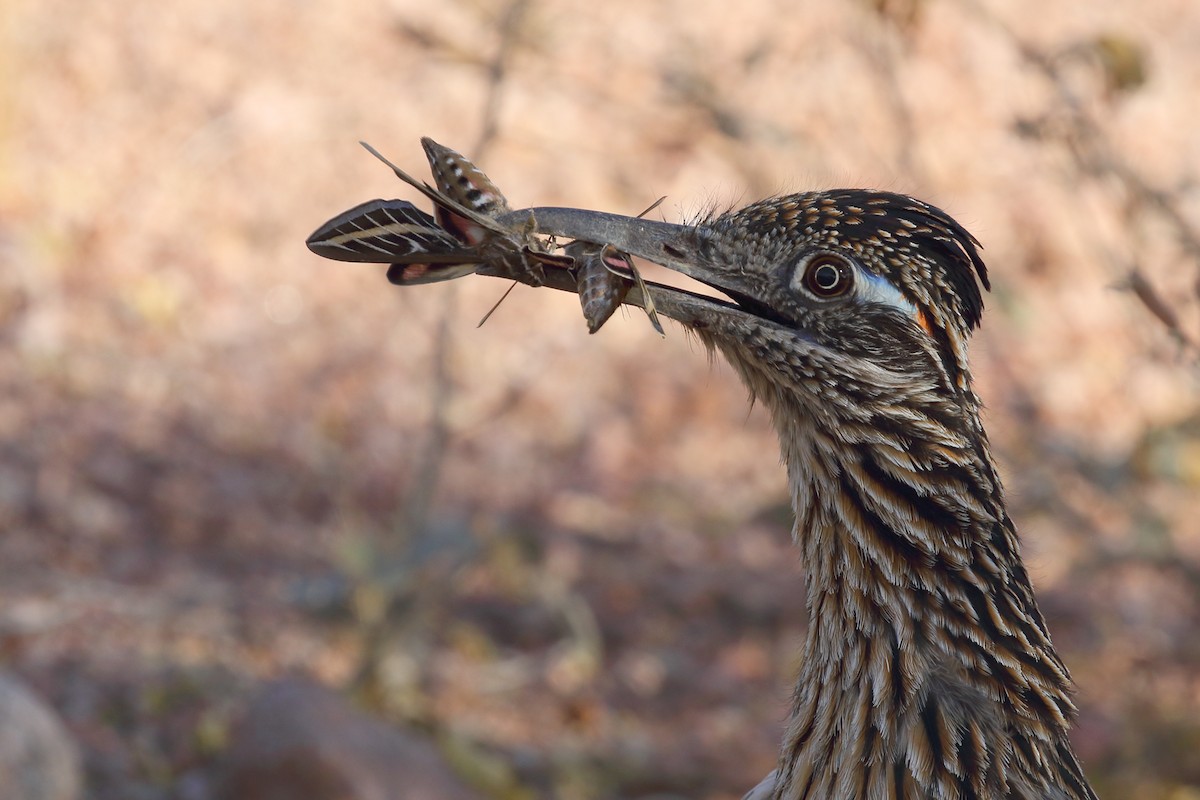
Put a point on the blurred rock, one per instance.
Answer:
(38, 759)
(299, 739)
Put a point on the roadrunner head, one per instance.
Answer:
(849, 286)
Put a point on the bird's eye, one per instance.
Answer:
(827, 276)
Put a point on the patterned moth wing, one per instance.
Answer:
(393, 232)
(421, 250)
(519, 254)
(466, 203)
(457, 177)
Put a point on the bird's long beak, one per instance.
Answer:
(675, 247)
(686, 249)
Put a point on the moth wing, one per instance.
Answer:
(383, 231)
(417, 272)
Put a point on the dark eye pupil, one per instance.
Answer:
(826, 277)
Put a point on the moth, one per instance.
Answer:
(458, 178)
(422, 249)
(602, 274)
(466, 235)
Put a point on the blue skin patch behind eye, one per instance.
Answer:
(872, 288)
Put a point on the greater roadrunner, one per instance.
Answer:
(928, 671)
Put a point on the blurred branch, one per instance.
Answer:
(894, 21)
(429, 464)
(1073, 126)
(1157, 305)
(510, 28)
(389, 579)
(415, 513)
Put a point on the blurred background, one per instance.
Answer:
(559, 564)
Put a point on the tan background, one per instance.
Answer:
(215, 445)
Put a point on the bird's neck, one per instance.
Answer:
(927, 660)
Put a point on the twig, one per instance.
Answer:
(1096, 157)
(1157, 305)
(510, 27)
(414, 510)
